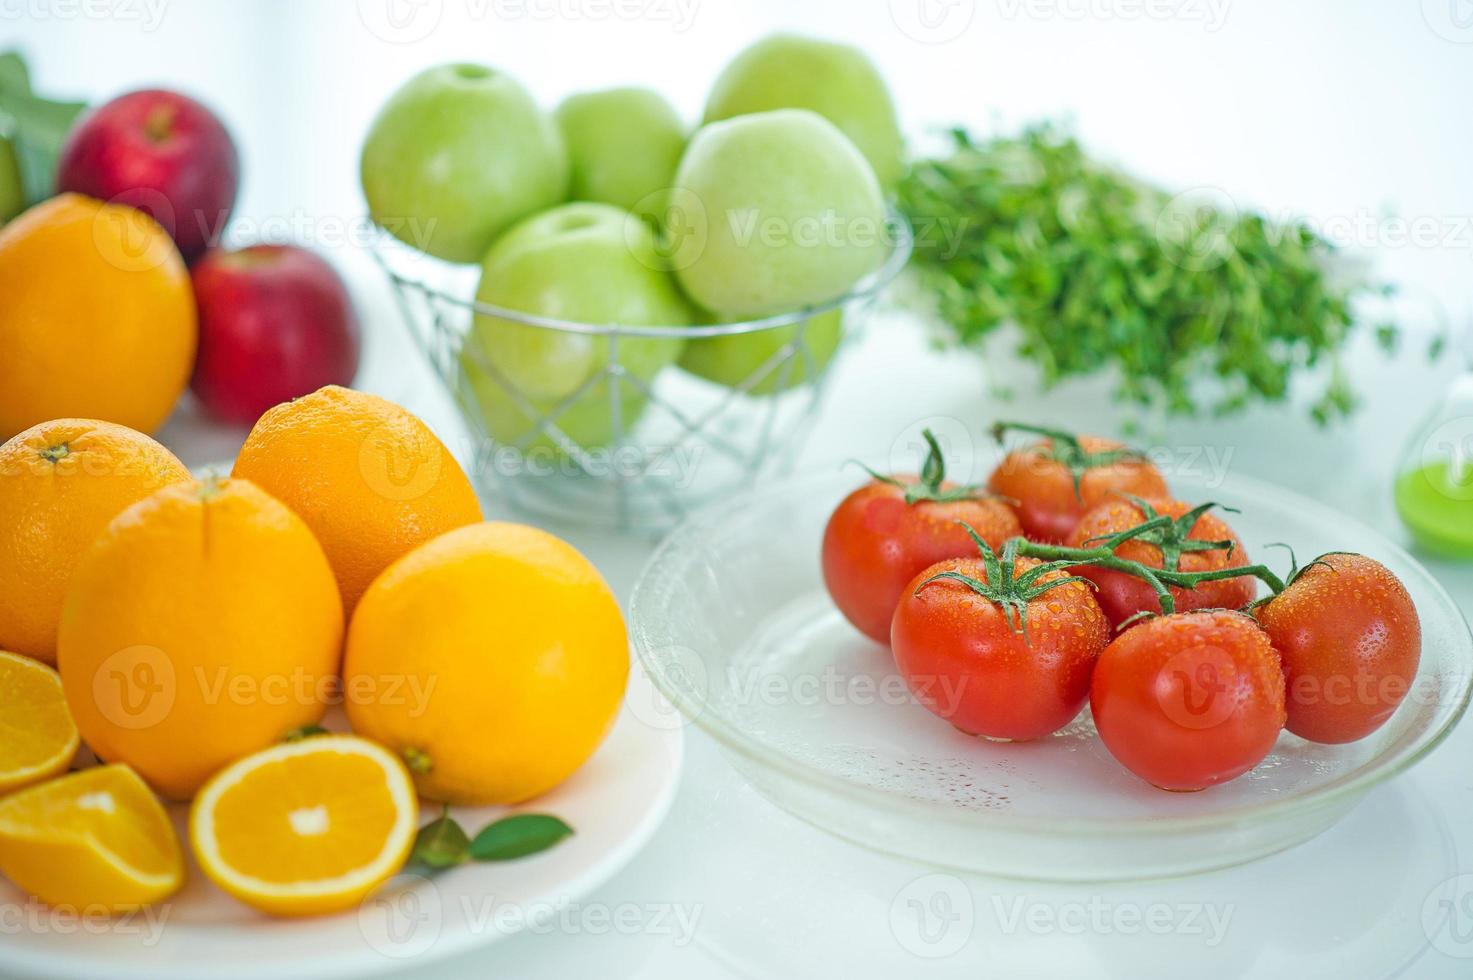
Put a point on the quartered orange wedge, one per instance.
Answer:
(306, 827)
(98, 838)
(37, 736)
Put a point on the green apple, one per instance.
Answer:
(456, 156)
(773, 212)
(785, 71)
(623, 147)
(12, 194)
(587, 263)
(734, 359)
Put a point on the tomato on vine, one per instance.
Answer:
(1189, 700)
(1351, 641)
(999, 646)
(1054, 481)
(1192, 540)
(892, 528)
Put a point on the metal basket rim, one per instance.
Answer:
(866, 289)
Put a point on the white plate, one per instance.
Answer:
(614, 803)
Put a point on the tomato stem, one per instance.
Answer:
(1066, 449)
(1159, 579)
(930, 485)
(1171, 536)
(1004, 585)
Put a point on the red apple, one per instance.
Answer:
(275, 323)
(162, 153)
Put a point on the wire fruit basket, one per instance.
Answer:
(628, 447)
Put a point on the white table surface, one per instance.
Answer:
(1346, 111)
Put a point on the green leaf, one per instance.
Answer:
(34, 127)
(306, 731)
(441, 843)
(518, 836)
(14, 76)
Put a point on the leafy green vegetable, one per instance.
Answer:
(1097, 271)
(32, 127)
(518, 836)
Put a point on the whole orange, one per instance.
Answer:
(492, 659)
(97, 318)
(370, 479)
(61, 482)
(203, 625)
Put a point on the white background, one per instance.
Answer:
(1353, 113)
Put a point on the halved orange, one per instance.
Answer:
(98, 838)
(38, 738)
(306, 827)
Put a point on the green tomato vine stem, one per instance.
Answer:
(931, 483)
(1159, 579)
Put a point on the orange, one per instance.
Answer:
(95, 839)
(202, 626)
(492, 659)
(370, 479)
(60, 483)
(306, 827)
(98, 317)
(40, 736)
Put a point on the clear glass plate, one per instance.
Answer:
(732, 623)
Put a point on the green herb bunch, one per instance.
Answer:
(1097, 270)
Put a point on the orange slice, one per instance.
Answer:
(306, 827)
(38, 738)
(98, 838)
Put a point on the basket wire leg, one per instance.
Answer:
(783, 371)
(617, 435)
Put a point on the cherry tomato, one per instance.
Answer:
(1122, 596)
(892, 528)
(1351, 641)
(1189, 700)
(1055, 481)
(1012, 669)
